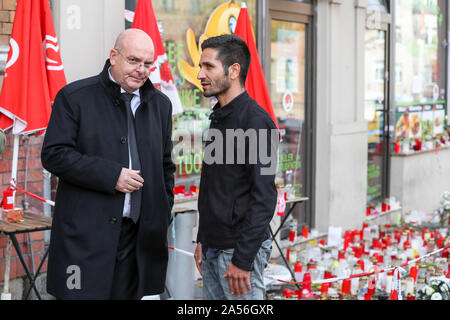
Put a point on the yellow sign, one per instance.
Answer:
(222, 21)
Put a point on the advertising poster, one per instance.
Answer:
(401, 124)
(415, 122)
(439, 118)
(375, 126)
(287, 63)
(427, 122)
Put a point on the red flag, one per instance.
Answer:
(161, 75)
(256, 83)
(34, 70)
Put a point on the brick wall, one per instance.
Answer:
(7, 10)
(29, 170)
(34, 184)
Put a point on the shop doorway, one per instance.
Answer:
(288, 68)
(376, 102)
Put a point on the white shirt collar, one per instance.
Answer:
(122, 90)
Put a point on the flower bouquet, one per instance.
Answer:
(444, 211)
(437, 289)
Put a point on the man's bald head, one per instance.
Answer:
(131, 59)
(131, 36)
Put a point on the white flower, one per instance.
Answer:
(444, 287)
(436, 296)
(428, 290)
(446, 195)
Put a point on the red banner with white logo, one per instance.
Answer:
(256, 82)
(34, 70)
(161, 75)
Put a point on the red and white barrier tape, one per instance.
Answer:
(367, 273)
(182, 251)
(13, 187)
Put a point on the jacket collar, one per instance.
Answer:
(146, 91)
(220, 112)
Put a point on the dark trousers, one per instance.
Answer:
(125, 279)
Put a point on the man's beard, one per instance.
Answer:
(218, 89)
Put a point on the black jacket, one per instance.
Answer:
(236, 202)
(86, 147)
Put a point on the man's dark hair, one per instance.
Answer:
(231, 49)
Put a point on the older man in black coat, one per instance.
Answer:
(109, 233)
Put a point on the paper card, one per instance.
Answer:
(334, 236)
(439, 118)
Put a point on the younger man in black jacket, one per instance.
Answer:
(237, 190)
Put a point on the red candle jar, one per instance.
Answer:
(388, 241)
(324, 287)
(307, 281)
(346, 285)
(346, 242)
(413, 273)
(358, 252)
(397, 147)
(356, 236)
(424, 230)
(287, 292)
(292, 234)
(361, 264)
(8, 199)
(380, 259)
(305, 232)
(367, 296)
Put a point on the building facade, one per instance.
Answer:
(353, 84)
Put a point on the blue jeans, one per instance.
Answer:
(215, 286)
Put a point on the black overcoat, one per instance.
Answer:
(86, 147)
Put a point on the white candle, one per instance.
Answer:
(388, 284)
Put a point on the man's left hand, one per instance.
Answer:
(237, 280)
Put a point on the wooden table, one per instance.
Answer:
(30, 223)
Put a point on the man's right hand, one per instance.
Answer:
(129, 181)
(198, 257)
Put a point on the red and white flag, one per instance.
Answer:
(256, 82)
(34, 70)
(161, 75)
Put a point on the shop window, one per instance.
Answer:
(420, 89)
(377, 5)
(185, 24)
(195, 6)
(379, 71)
(399, 74)
(168, 5)
(304, 1)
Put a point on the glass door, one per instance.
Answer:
(376, 112)
(288, 65)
